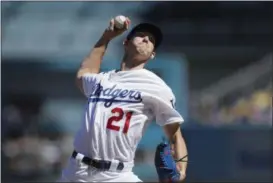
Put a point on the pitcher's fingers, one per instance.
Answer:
(127, 23)
(128, 20)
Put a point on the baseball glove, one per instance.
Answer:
(165, 163)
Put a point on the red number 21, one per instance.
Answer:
(115, 119)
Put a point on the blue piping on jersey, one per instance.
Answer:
(109, 102)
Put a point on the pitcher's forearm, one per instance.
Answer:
(180, 152)
(92, 61)
(178, 144)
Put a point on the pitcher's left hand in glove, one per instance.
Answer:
(165, 164)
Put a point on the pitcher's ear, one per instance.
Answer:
(152, 55)
(125, 42)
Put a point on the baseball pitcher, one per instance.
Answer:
(121, 103)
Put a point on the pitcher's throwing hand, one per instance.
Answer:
(112, 32)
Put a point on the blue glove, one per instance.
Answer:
(165, 164)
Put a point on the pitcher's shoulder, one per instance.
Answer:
(153, 77)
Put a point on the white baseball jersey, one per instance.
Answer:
(120, 105)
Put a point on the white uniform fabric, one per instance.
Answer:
(119, 108)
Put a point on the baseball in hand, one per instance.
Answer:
(119, 21)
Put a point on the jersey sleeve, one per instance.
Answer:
(90, 82)
(164, 108)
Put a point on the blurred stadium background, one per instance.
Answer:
(216, 56)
